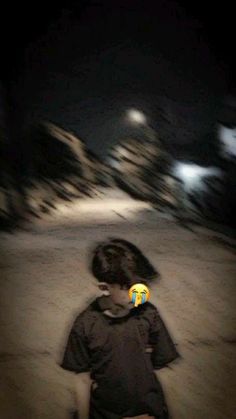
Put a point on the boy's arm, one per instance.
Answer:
(82, 389)
(164, 350)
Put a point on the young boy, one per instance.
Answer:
(115, 347)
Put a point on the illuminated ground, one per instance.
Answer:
(45, 282)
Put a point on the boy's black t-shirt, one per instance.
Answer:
(121, 354)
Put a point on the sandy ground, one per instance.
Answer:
(45, 282)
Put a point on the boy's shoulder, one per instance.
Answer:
(93, 313)
(90, 314)
(149, 307)
(149, 311)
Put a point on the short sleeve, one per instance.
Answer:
(164, 350)
(76, 356)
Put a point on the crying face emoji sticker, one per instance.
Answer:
(139, 294)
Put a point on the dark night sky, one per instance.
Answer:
(84, 64)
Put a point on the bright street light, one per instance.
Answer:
(137, 117)
(192, 174)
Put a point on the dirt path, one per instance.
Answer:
(45, 282)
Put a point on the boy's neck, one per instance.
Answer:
(120, 313)
(110, 309)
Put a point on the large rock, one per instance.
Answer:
(57, 167)
(61, 168)
(143, 168)
(146, 171)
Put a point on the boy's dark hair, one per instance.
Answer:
(119, 261)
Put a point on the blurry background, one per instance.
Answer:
(117, 118)
(83, 65)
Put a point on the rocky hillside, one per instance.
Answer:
(57, 167)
